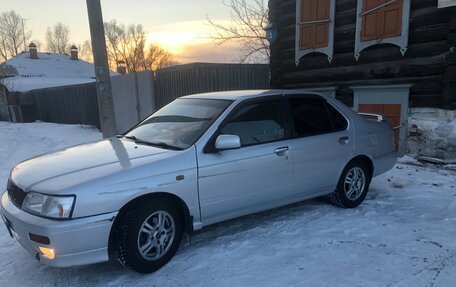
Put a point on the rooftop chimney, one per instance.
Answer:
(121, 67)
(74, 53)
(33, 51)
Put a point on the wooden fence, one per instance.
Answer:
(177, 81)
(70, 105)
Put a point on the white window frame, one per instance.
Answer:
(328, 50)
(401, 41)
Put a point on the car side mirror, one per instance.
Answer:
(227, 142)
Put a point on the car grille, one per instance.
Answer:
(15, 194)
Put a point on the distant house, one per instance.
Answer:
(385, 56)
(43, 86)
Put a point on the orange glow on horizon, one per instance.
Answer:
(174, 42)
(176, 37)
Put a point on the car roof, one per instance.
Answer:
(247, 94)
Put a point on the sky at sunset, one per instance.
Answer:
(178, 25)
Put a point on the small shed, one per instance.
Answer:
(48, 86)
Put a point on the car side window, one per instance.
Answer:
(310, 116)
(257, 123)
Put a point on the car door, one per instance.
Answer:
(256, 175)
(322, 143)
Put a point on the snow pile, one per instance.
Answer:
(402, 235)
(409, 160)
(432, 135)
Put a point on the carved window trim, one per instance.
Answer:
(400, 41)
(328, 50)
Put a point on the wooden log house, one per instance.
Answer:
(384, 56)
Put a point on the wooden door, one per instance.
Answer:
(392, 113)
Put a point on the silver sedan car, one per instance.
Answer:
(200, 160)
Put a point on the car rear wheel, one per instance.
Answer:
(353, 185)
(149, 236)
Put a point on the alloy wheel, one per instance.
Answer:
(354, 183)
(156, 235)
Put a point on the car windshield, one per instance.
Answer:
(179, 124)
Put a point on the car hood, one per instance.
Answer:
(56, 171)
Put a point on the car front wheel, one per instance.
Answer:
(149, 236)
(352, 186)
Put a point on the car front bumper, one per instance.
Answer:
(75, 242)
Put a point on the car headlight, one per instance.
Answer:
(59, 207)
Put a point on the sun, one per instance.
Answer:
(173, 41)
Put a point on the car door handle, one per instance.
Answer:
(344, 140)
(281, 150)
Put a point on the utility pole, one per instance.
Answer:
(104, 93)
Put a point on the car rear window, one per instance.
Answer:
(338, 120)
(313, 115)
(310, 116)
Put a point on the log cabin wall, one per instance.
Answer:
(428, 64)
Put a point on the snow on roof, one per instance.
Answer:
(26, 84)
(49, 70)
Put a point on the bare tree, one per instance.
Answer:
(58, 38)
(85, 51)
(4, 53)
(133, 53)
(128, 44)
(115, 34)
(13, 34)
(248, 20)
(156, 58)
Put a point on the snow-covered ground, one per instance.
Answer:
(404, 234)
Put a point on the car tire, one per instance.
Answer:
(352, 186)
(148, 236)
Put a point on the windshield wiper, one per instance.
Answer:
(158, 144)
(133, 138)
(164, 145)
(127, 137)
